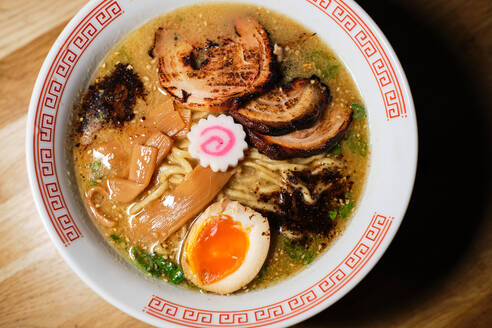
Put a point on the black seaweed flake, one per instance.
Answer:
(111, 100)
(298, 216)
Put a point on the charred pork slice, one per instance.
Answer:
(232, 68)
(325, 134)
(293, 106)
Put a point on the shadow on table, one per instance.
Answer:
(453, 179)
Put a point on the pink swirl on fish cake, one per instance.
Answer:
(222, 145)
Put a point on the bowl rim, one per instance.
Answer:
(389, 235)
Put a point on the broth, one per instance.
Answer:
(301, 59)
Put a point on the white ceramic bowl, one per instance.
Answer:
(359, 43)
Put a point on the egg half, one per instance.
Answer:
(225, 247)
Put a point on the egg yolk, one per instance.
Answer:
(219, 249)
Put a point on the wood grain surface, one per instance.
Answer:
(436, 273)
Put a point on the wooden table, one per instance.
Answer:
(437, 273)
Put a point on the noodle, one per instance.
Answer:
(171, 173)
(136, 207)
(257, 173)
(266, 176)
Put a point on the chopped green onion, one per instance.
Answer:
(261, 275)
(308, 258)
(168, 267)
(96, 166)
(359, 111)
(322, 61)
(337, 150)
(299, 252)
(177, 275)
(157, 266)
(357, 144)
(125, 54)
(344, 210)
(115, 238)
(93, 182)
(146, 262)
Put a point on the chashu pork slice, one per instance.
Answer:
(233, 67)
(295, 105)
(324, 135)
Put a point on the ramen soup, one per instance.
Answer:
(221, 147)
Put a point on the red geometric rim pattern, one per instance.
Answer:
(46, 114)
(371, 49)
(280, 311)
(66, 228)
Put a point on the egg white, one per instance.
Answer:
(258, 231)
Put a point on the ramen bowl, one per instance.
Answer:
(378, 75)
